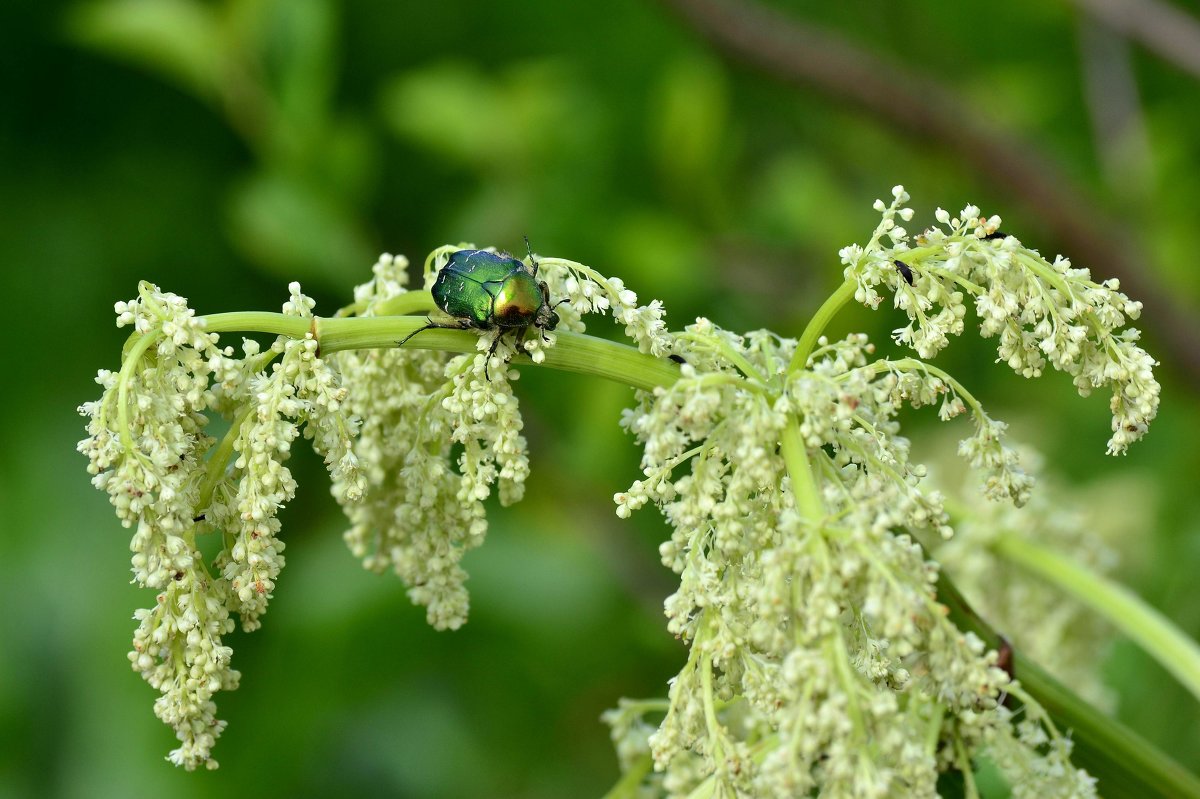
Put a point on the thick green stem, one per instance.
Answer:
(573, 352)
(1126, 611)
(816, 325)
(804, 485)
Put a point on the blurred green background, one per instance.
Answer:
(221, 149)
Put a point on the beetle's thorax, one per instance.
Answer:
(518, 301)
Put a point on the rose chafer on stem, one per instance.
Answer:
(826, 651)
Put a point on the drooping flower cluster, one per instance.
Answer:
(439, 432)
(300, 388)
(420, 515)
(1042, 312)
(147, 449)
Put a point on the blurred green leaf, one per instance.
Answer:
(689, 127)
(296, 231)
(451, 109)
(661, 254)
(798, 191)
(299, 54)
(501, 123)
(179, 40)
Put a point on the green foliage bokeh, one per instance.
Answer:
(609, 134)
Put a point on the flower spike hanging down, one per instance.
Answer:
(1042, 312)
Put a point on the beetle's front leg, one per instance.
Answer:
(431, 325)
(500, 333)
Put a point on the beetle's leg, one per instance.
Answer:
(492, 351)
(551, 314)
(520, 337)
(430, 325)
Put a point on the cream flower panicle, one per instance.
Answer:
(820, 660)
(819, 657)
(810, 644)
(437, 434)
(147, 448)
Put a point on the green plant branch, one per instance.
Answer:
(1126, 764)
(628, 786)
(1122, 608)
(573, 352)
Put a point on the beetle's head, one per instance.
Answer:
(551, 321)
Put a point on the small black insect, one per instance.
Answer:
(998, 234)
(905, 271)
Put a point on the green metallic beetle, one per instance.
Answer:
(489, 291)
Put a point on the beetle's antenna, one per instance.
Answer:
(529, 250)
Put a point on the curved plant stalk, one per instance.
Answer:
(1125, 763)
(573, 352)
(1124, 609)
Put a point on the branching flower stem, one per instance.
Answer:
(629, 786)
(833, 562)
(964, 767)
(1112, 752)
(135, 358)
(219, 459)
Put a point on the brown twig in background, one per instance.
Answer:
(1115, 107)
(809, 56)
(1169, 33)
